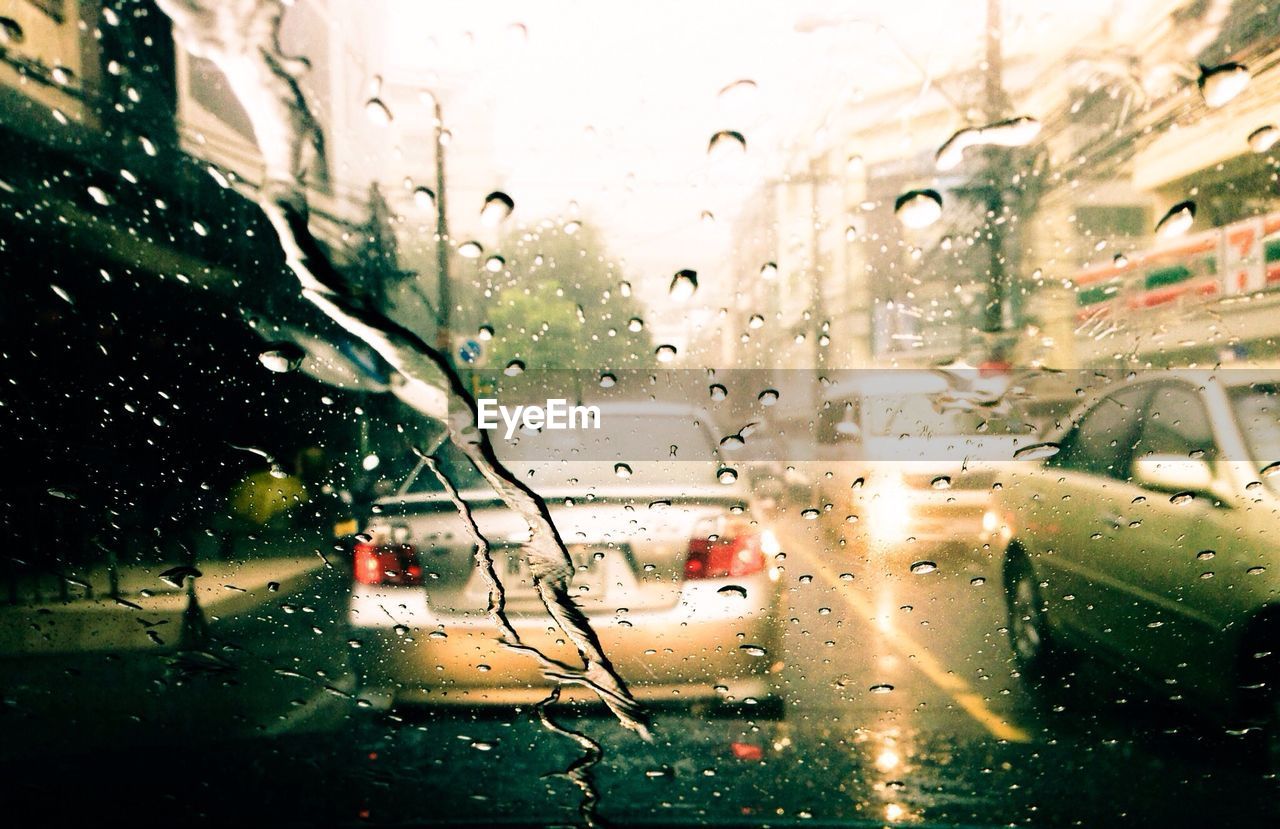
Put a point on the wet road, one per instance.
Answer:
(902, 706)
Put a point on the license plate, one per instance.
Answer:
(588, 576)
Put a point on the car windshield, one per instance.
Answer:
(725, 413)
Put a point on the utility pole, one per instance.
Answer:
(444, 301)
(995, 317)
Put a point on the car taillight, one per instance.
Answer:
(724, 557)
(387, 564)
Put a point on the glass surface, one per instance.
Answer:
(614, 414)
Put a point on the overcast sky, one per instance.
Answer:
(611, 105)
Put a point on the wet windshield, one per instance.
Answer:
(667, 414)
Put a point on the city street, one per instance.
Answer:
(900, 707)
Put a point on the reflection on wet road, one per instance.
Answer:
(902, 706)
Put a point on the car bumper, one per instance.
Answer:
(693, 650)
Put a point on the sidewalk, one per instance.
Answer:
(148, 612)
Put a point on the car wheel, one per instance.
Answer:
(1028, 627)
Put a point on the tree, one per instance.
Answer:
(559, 302)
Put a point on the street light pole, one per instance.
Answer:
(444, 301)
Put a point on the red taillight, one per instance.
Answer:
(739, 555)
(387, 564)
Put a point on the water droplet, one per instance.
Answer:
(1182, 498)
(497, 207)
(768, 397)
(726, 143)
(1205, 555)
(571, 228)
(754, 650)
(11, 33)
(282, 357)
(756, 321)
(1177, 221)
(1263, 138)
(495, 264)
(918, 208)
(882, 688)
(727, 475)
(635, 324)
(622, 470)
(665, 353)
(1014, 132)
(810, 514)
(370, 462)
(470, 250)
(177, 576)
(437, 634)
(977, 581)
(485, 332)
(1120, 260)
(62, 75)
(768, 271)
(100, 196)
(708, 218)
(514, 368)
(1270, 470)
(1036, 452)
(683, 285)
(377, 113)
(608, 381)
(735, 590)
(62, 294)
(424, 198)
(1255, 571)
(401, 630)
(718, 392)
(1220, 84)
(919, 568)
(481, 745)
(941, 482)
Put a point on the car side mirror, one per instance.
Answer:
(1174, 473)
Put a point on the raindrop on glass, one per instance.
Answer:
(768, 271)
(100, 196)
(718, 392)
(1220, 84)
(919, 568)
(683, 285)
(768, 397)
(514, 368)
(635, 324)
(1181, 498)
(607, 380)
(1177, 221)
(754, 650)
(756, 321)
(810, 514)
(495, 264)
(665, 353)
(941, 482)
(1036, 452)
(470, 250)
(727, 142)
(882, 688)
(735, 590)
(282, 357)
(727, 475)
(918, 208)
(622, 470)
(377, 113)
(497, 207)
(424, 198)
(1263, 138)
